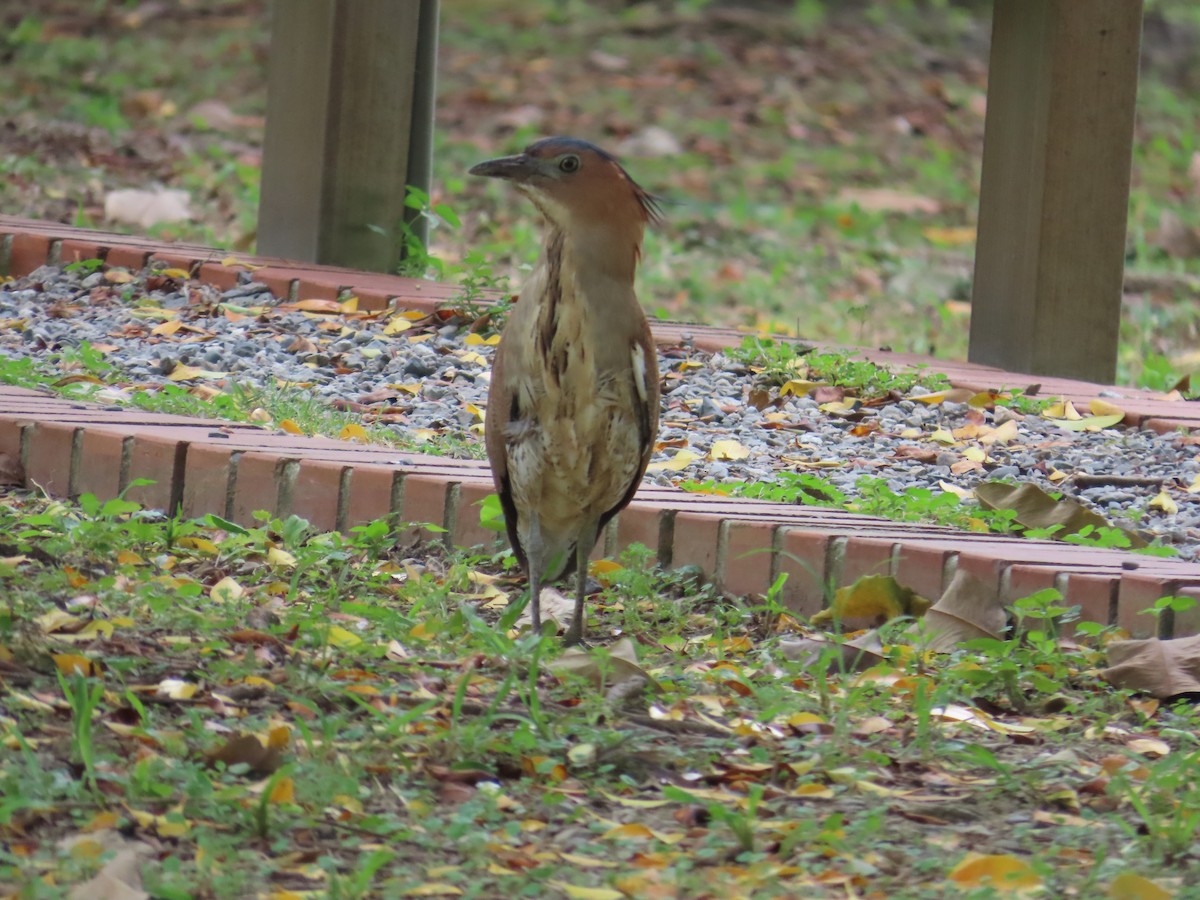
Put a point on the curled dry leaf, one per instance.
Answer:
(1037, 509)
(1160, 668)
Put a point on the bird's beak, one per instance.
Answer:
(513, 168)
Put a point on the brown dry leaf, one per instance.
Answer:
(1007, 875)
(121, 876)
(968, 609)
(620, 666)
(248, 750)
(1037, 509)
(1159, 668)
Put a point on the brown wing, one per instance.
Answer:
(502, 409)
(648, 413)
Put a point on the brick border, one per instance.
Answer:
(200, 466)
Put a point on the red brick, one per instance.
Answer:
(49, 462)
(316, 287)
(640, 523)
(1093, 594)
(206, 481)
(802, 555)
(921, 566)
(76, 250)
(1021, 581)
(131, 258)
(1136, 593)
(747, 557)
(100, 462)
(467, 530)
(154, 458)
(28, 252)
(370, 494)
(278, 280)
(178, 259)
(256, 486)
(316, 493)
(223, 277)
(372, 300)
(695, 541)
(984, 566)
(866, 556)
(423, 500)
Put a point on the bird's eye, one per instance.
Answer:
(569, 163)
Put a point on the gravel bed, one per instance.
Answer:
(432, 376)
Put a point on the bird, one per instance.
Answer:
(573, 406)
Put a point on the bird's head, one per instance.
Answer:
(576, 185)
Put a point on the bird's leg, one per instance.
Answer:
(536, 568)
(583, 550)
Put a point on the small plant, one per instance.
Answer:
(83, 695)
(780, 362)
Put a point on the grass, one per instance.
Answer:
(277, 707)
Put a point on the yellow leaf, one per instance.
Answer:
(176, 273)
(175, 689)
(1104, 408)
(603, 569)
(226, 589)
(956, 236)
(396, 325)
(676, 463)
(478, 340)
(1063, 409)
(588, 862)
(587, 893)
(349, 305)
(203, 545)
(354, 432)
(283, 791)
(470, 356)
(1194, 487)
(340, 637)
(73, 663)
(728, 449)
(975, 454)
(954, 395)
(278, 557)
(118, 276)
(167, 328)
(1164, 502)
(1091, 423)
(1131, 886)
(187, 373)
(1005, 873)
(798, 388)
(475, 411)
(413, 389)
(128, 558)
(290, 426)
(942, 436)
(1001, 434)
(234, 261)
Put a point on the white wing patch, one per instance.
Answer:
(639, 372)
